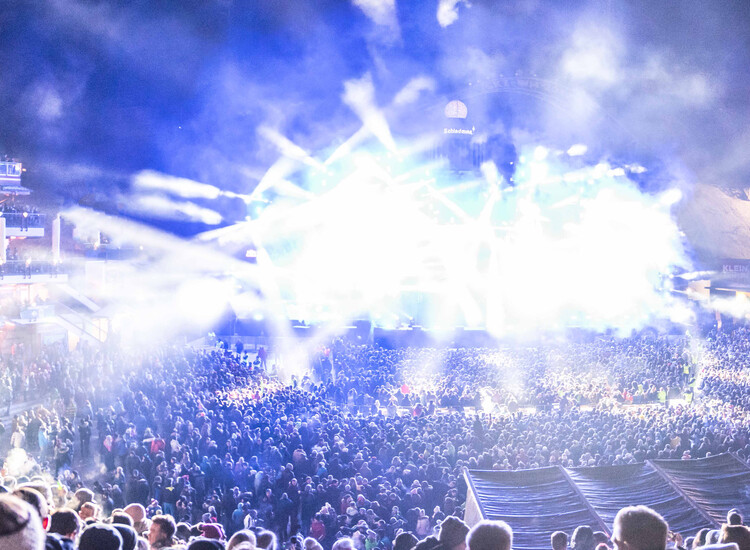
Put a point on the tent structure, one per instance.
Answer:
(690, 494)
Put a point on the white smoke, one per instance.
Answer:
(447, 12)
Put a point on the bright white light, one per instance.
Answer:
(490, 173)
(375, 230)
(202, 300)
(18, 463)
(364, 244)
(359, 95)
(540, 153)
(670, 197)
(182, 187)
(288, 148)
(411, 92)
(164, 207)
(577, 150)
(447, 12)
(382, 12)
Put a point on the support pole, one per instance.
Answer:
(3, 241)
(56, 240)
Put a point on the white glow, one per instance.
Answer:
(202, 299)
(591, 255)
(288, 148)
(670, 197)
(182, 187)
(577, 150)
(379, 232)
(411, 92)
(359, 95)
(381, 12)
(447, 12)
(540, 153)
(163, 207)
(635, 168)
(593, 55)
(18, 463)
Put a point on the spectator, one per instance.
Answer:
(559, 540)
(734, 517)
(453, 532)
(265, 539)
(490, 535)
(65, 523)
(20, 526)
(639, 528)
(100, 537)
(36, 500)
(583, 538)
(739, 534)
(161, 533)
(241, 536)
(405, 541)
(202, 543)
(128, 535)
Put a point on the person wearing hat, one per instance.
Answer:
(453, 533)
(202, 543)
(128, 534)
(37, 501)
(212, 531)
(405, 541)
(20, 526)
(136, 511)
(430, 543)
(100, 537)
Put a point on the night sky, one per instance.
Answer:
(94, 92)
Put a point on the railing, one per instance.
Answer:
(27, 269)
(24, 220)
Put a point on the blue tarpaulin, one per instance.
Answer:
(690, 494)
(716, 484)
(608, 489)
(534, 502)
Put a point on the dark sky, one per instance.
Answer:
(93, 92)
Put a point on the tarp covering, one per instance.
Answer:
(690, 494)
(716, 484)
(534, 502)
(612, 488)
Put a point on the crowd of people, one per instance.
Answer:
(21, 215)
(361, 443)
